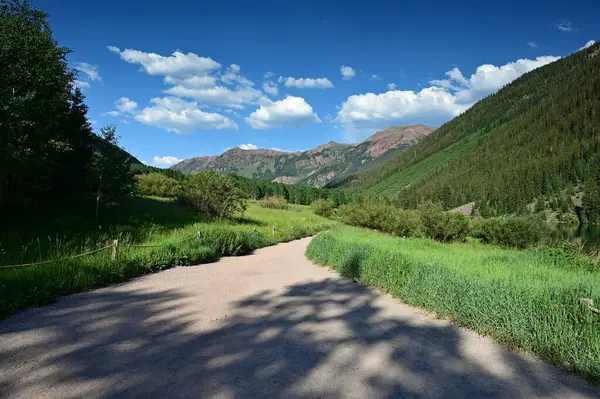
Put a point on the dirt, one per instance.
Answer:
(266, 325)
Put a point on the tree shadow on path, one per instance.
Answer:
(326, 338)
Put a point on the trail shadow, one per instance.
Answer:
(327, 338)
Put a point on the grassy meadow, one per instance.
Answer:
(526, 299)
(66, 229)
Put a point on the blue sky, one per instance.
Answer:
(192, 78)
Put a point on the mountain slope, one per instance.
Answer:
(536, 137)
(315, 167)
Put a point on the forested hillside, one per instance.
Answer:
(536, 137)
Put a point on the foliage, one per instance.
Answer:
(294, 194)
(157, 184)
(512, 231)
(141, 169)
(442, 226)
(111, 168)
(274, 202)
(212, 195)
(374, 214)
(42, 150)
(147, 221)
(323, 207)
(528, 299)
(591, 198)
(536, 136)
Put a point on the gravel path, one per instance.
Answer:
(266, 325)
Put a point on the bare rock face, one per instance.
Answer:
(315, 167)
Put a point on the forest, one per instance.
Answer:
(538, 137)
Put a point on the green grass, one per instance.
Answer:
(53, 233)
(396, 182)
(525, 299)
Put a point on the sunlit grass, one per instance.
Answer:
(142, 221)
(527, 299)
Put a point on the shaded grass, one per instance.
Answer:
(141, 221)
(526, 299)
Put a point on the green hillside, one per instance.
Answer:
(536, 137)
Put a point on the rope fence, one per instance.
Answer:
(115, 249)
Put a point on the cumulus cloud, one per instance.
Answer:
(165, 161)
(112, 113)
(218, 95)
(91, 71)
(232, 75)
(179, 116)
(588, 44)
(177, 64)
(125, 105)
(248, 146)
(391, 86)
(269, 75)
(347, 72)
(271, 88)
(532, 44)
(565, 26)
(82, 84)
(434, 105)
(289, 112)
(306, 83)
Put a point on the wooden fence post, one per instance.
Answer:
(273, 230)
(115, 250)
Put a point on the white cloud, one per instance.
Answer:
(269, 75)
(434, 105)
(232, 75)
(565, 26)
(347, 72)
(289, 112)
(165, 161)
(82, 84)
(375, 77)
(391, 86)
(126, 106)
(218, 95)
(91, 71)
(248, 146)
(588, 44)
(306, 83)
(271, 88)
(532, 44)
(178, 64)
(112, 113)
(192, 81)
(179, 116)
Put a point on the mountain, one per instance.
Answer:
(316, 167)
(535, 141)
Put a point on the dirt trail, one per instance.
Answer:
(267, 325)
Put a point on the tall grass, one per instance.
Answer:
(526, 299)
(143, 221)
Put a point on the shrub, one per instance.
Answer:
(213, 195)
(512, 231)
(158, 185)
(275, 202)
(377, 215)
(323, 207)
(442, 226)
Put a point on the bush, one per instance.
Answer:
(323, 207)
(374, 214)
(512, 231)
(213, 195)
(275, 202)
(442, 226)
(158, 185)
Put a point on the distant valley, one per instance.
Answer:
(316, 167)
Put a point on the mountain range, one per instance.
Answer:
(316, 167)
